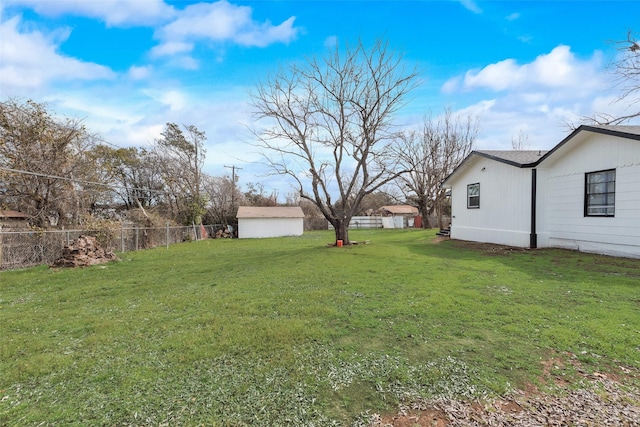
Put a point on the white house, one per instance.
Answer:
(258, 222)
(584, 194)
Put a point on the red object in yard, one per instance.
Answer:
(417, 222)
(339, 243)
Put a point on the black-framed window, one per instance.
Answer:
(600, 193)
(473, 196)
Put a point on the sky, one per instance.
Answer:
(523, 68)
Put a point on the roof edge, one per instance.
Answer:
(582, 128)
(589, 128)
(509, 162)
(490, 157)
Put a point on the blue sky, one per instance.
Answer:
(129, 66)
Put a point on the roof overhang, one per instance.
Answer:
(573, 139)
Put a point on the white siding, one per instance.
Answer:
(269, 227)
(362, 222)
(561, 215)
(504, 216)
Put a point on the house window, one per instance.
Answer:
(599, 193)
(473, 196)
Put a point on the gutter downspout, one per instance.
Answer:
(533, 237)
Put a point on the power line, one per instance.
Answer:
(80, 181)
(233, 182)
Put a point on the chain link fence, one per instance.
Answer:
(20, 249)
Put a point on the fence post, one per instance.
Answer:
(122, 238)
(1, 238)
(137, 235)
(167, 234)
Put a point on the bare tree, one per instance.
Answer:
(329, 126)
(520, 142)
(43, 164)
(222, 194)
(430, 155)
(627, 79)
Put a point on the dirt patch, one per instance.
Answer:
(414, 418)
(490, 249)
(595, 399)
(439, 239)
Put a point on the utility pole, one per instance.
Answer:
(233, 181)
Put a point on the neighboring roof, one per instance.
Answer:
(532, 158)
(269, 212)
(519, 158)
(400, 209)
(13, 215)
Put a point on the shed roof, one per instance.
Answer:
(270, 212)
(13, 215)
(400, 209)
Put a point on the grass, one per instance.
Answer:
(290, 331)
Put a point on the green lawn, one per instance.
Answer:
(290, 331)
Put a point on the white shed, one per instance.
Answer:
(258, 222)
(584, 194)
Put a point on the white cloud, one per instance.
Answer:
(558, 69)
(513, 17)
(31, 59)
(471, 5)
(265, 34)
(221, 22)
(498, 76)
(174, 99)
(538, 99)
(171, 48)
(452, 85)
(112, 12)
(136, 134)
(331, 42)
(139, 72)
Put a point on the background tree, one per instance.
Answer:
(329, 126)
(43, 164)
(181, 157)
(223, 197)
(371, 203)
(520, 142)
(626, 69)
(133, 174)
(255, 195)
(430, 154)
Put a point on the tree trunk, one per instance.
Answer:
(341, 227)
(423, 210)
